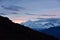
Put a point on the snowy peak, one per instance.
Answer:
(43, 23)
(30, 24)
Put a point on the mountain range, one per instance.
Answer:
(55, 31)
(42, 23)
(13, 31)
(50, 26)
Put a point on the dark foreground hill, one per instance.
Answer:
(13, 31)
(54, 31)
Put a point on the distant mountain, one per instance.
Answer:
(14, 31)
(30, 24)
(55, 31)
(43, 23)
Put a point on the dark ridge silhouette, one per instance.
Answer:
(54, 31)
(14, 31)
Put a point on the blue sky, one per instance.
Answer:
(23, 10)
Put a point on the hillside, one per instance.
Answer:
(55, 31)
(10, 30)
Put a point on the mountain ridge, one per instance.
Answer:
(10, 30)
(42, 23)
(55, 31)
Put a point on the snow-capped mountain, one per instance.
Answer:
(30, 24)
(43, 23)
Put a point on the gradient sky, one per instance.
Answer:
(23, 10)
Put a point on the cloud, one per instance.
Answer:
(13, 7)
(3, 14)
(12, 1)
(14, 13)
(8, 13)
(39, 14)
(47, 15)
(29, 14)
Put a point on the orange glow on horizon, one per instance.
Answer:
(19, 21)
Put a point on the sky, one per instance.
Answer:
(23, 10)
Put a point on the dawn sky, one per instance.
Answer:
(23, 10)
